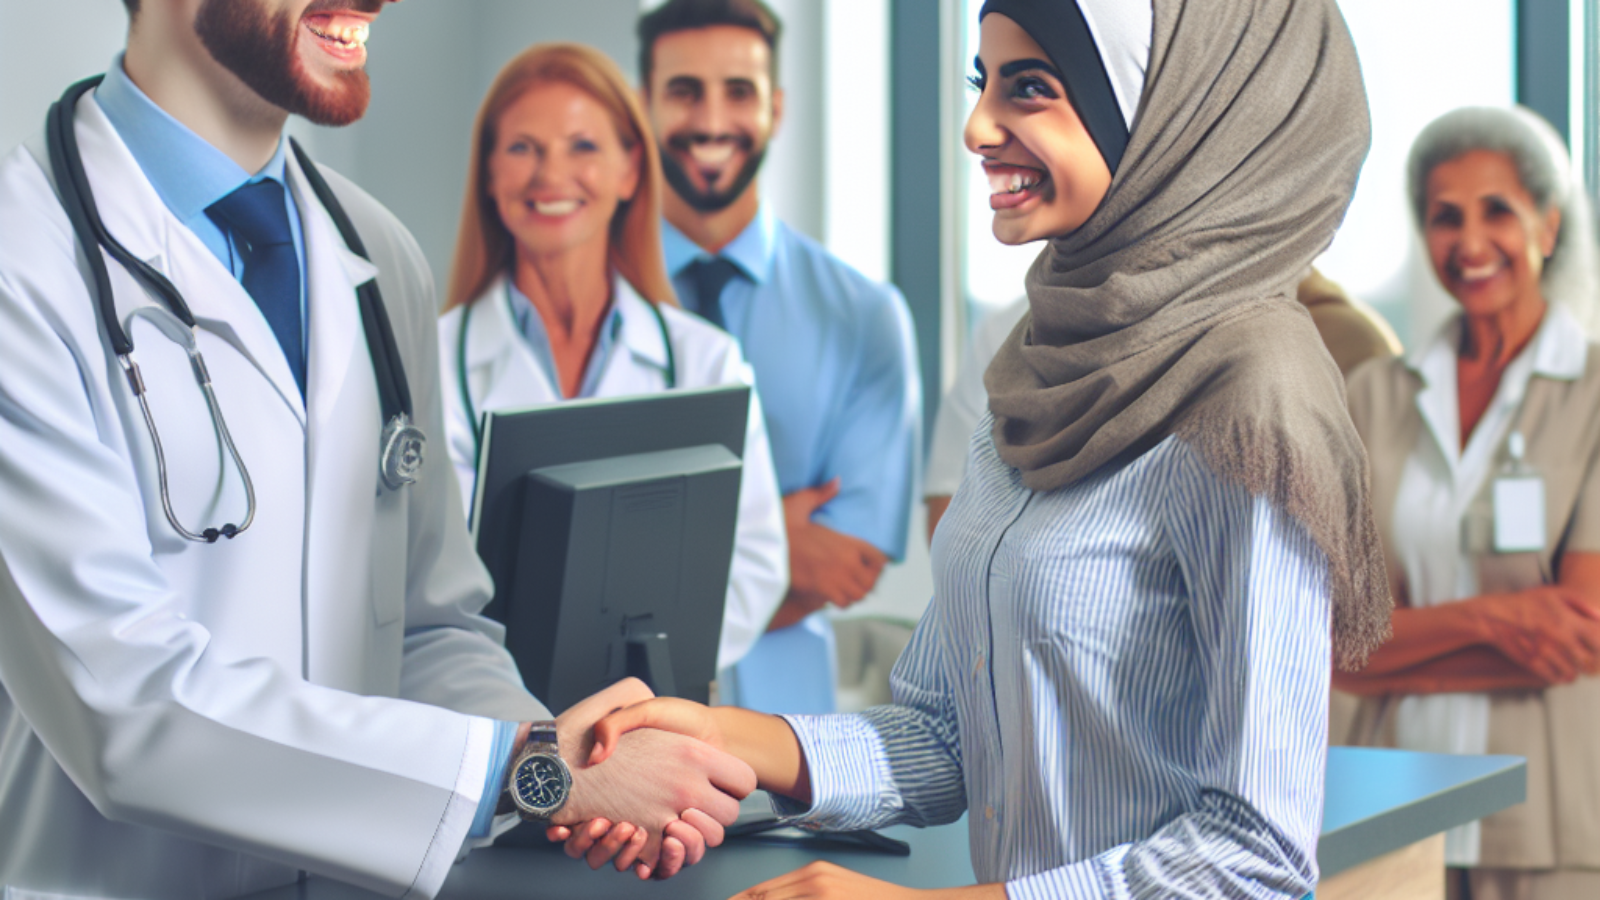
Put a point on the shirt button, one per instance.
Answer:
(988, 813)
(977, 667)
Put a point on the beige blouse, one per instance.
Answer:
(1557, 729)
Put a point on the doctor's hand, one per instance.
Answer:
(660, 785)
(825, 566)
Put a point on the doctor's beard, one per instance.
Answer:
(712, 200)
(261, 49)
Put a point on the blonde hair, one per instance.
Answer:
(485, 249)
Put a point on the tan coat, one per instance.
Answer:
(1352, 331)
(1557, 729)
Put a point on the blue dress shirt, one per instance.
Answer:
(1125, 682)
(189, 175)
(835, 359)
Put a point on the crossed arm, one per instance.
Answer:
(1527, 639)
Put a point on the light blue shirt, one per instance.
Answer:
(1124, 682)
(190, 174)
(835, 359)
(531, 325)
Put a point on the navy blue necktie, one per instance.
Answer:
(257, 217)
(709, 277)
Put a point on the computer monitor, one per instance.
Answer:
(608, 527)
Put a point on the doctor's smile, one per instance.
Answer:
(338, 29)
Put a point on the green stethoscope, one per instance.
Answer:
(671, 373)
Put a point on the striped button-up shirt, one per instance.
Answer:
(1125, 681)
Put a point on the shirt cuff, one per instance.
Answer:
(494, 778)
(1096, 877)
(852, 786)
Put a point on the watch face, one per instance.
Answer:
(541, 784)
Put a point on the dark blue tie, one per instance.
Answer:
(257, 217)
(709, 277)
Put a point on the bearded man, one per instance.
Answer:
(192, 709)
(833, 352)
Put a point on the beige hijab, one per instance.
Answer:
(1171, 312)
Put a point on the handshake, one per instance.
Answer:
(649, 790)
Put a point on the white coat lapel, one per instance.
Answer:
(639, 365)
(136, 216)
(499, 357)
(336, 340)
(342, 475)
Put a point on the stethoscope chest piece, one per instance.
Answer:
(404, 449)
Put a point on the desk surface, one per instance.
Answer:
(1377, 801)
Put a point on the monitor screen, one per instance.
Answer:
(608, 527)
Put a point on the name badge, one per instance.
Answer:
(1519, 514)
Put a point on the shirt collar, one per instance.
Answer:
(752, 251)
(188, 173)
(1559, 348)
(531, 326)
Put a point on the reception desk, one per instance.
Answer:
(1383, 837)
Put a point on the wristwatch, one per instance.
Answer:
(539, 781)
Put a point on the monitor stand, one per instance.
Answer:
(648, 658)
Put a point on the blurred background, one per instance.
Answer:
(869, 160)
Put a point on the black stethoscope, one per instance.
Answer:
(402, 443)
(671, 374)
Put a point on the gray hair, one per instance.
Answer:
(1540, 156)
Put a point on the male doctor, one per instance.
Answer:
(317, 694)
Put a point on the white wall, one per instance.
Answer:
(39, 57)
(1420, 59)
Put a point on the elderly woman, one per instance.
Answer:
(1163, 537)
(559, 290)
(1484, 445)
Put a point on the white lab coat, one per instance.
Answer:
(190, 721)
(503, 374)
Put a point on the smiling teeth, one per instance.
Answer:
(556, 207)
(1479, 273)
(348, 35)
(711, 154)
(1015, 183)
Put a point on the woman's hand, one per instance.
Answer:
(826, 881)
(684, 717)
(1552, 631)
(763, 742)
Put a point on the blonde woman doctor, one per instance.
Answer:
(559, 290)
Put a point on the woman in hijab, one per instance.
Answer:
(1163, 535)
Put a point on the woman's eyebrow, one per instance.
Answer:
(1023, 65)
(978, 64)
